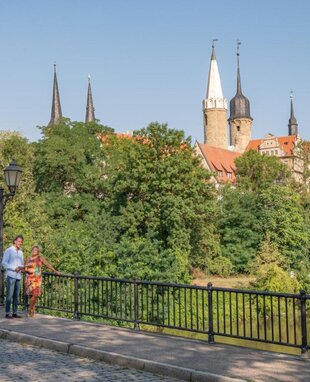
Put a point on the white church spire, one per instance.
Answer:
(214, 98)
(215, 108)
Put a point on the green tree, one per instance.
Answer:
(268, 268)
(24, 214)
(161, 204)
(69, 158)
(284, 220)
(239, 227)
(256, 171)
(263, 203)
(69, 177)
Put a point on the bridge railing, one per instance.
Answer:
(276, 318)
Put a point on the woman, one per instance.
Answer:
(33, 269)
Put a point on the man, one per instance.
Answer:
(13, 262)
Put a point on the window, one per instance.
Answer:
(238, 128)
(229, 175)
(219, 173)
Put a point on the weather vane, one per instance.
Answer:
(238, 45)
(213, 41)
(291, 95)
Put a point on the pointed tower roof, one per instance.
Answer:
(56, 113)
(214, 97)
(292, 123)
(239, 105)
(214, 89)
(90, 110)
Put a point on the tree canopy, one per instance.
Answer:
(143, 206)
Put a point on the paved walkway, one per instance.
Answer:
(38, 365)
(162, 354)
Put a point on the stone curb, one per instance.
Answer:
(168, 370)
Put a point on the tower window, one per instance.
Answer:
(238, 128)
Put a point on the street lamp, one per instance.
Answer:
(12, 175)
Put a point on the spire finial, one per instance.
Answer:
(238, 51)
(213, 41)
(291, 94)
(213, 51)
(239, 91)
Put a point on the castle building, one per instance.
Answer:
(214, 152)
(220, 162)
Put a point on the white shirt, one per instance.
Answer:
(12, 259)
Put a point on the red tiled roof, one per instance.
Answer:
(220, 160)
(286, 144)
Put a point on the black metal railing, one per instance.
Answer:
(276, 318)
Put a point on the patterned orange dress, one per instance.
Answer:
(33, 267)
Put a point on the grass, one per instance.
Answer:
(237, 281)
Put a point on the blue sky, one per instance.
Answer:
(149, 61)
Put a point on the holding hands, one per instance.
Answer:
(20, 269)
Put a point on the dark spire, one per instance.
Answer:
(239, 91)
(239, 105)
(90, 110)
(56, 113)
(292, 123)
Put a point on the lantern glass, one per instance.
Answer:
(12, 175)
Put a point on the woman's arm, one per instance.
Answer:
(28, 268)
(49, 266)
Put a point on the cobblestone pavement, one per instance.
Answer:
(27, 363)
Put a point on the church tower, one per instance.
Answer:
(292, 123)
(56, 113)
(215, 108)
(90, 110)
(240, 120)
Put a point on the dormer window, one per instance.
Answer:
(229, 175)
(220, 173)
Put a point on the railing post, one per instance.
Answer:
(136, 303)
(76, 296)
(303, 312)
(210, 315)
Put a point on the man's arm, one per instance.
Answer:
(6, 261)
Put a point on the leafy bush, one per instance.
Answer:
(221, 266)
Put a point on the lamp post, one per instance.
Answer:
(12, 175)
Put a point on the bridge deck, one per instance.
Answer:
(225, 360)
